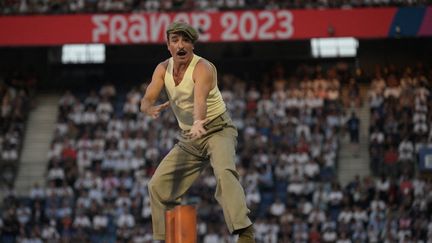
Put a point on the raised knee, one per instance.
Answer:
(154, 187)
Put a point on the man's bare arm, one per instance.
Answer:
(204, 83)
(153, 91)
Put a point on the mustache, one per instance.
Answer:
(181, 51)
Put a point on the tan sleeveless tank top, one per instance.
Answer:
(182, 96)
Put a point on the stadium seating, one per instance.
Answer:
(56, 7)
(400, 126)
(15, 96)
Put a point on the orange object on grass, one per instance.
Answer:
(180, 225)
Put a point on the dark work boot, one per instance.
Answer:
(246, 235)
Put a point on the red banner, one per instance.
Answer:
(214, 26)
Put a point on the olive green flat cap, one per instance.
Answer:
(184, 28)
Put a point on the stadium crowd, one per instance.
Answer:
(401, 115)
(91, 6)
(15, 101)
(105, 151)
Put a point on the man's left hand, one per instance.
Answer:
(198, 130)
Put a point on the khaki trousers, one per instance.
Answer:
(184, 163)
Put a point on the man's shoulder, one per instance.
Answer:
(161, 68)
(205, 65)
(163, 64)
(203, 61)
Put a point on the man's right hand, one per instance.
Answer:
(154, 111)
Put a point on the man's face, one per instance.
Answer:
(180, 46)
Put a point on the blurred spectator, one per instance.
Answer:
(390, 160)
(353, 125)
(49, 231)
(277, 208)
(353, 97)
(11, 226)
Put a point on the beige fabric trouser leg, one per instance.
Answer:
(184, 163)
